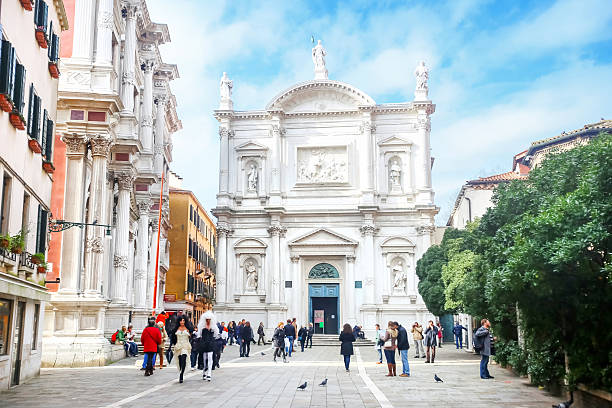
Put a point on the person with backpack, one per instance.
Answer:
(483, 345)
(458, 332)
(417, 337)
(279, 342)
(403, 345)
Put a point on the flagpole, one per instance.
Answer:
(159, 218)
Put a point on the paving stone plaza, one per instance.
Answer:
(259, 382)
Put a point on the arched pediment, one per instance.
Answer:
(250, 246)
(397, 244)
(320, 96)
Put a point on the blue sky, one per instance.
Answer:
(503, 73)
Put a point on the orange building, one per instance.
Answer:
(190, 282)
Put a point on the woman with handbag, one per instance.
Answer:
(431, 339)
(181, 345)
(279, 342)
(389, 347)
(347, 338)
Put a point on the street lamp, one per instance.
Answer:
(61, 225)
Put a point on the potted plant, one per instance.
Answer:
(6, 103)
(41, 37)
(34, 145)
(27, 4)
(42, 267)
(48, 166)
(17, 120)
(5, 241)
(18, 242)
(54, 69)
(38, 258)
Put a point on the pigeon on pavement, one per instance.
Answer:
(324, 383)
(263, 354)
(303, 386)
(438, 379)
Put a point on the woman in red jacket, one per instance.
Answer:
(151, 339)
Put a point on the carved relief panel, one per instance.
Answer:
(322, 165)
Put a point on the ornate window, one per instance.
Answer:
(323, 271)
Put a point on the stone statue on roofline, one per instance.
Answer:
(225, 89)
(318, 57)
(422, 78)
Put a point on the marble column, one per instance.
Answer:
(146, 115)
(222, 233)
(128, 80)
(94, 244)
(122, 234)
(104, 36)
(142, 255)
(366, 158)
(160, 130)
(296, 290)
(82, 40)
(72, 240)
(423, 161)
(151, 264)
(349, 289)
(275, 184)
(275, 232)
(368, 231)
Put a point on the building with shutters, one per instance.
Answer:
(28, 97)
(190, 282)
(116, 116)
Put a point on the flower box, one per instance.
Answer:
(54, 70)
(34, 146)
(41, 269)
(17, 120)
(41, 37)
(48, 167)
(27, 4)
(4, 243)
(17, 250)
(5, 103)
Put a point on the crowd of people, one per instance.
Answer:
(204, 343)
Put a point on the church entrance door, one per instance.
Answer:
(323, 307)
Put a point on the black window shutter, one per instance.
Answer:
(7, 72)
(189, 246)
(36, 11)
(50, 32)
(56, 47)
(41, 231)
(36, 118)
(42, 16)
(50, 48)
(48, 150)
(31, 111)
(43, 134)
(19, 91)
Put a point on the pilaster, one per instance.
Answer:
(119, 293)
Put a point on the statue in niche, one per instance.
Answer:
(395, 174)
(225, 87)
(399, 278)
(252, 178)
(251, 276)
(422, 76)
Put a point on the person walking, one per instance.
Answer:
(162, 347)
(347, 338)
(390, 344)
(261, 333)
(302, 337)
(431, 339)
(458, 332)
(483, 339)
(278, 339)
(247, 338)
(440, 333)
(417, 337)
(231, 332)
(403, 345)
(239, 333)
(218, 347)
(207, 326)
(290, 336)
(181, 345)
(151, 339)
(379, 335)
(309, 334)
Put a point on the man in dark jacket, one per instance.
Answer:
(290, 334)
(247, 338)
(458, 332)
(309, 333)
(483, 335)
(402, 346)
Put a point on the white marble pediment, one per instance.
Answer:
(251, 146)
(394, 141)
(322, 237)
(250, 246)
(397, 244)
(320, 96)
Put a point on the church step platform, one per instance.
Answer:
(332, 340)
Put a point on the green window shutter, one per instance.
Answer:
(30, 127)
(43, 134)
(41, 230)
(36, 118)
(19, 90)
(7, 71)
(48, 150)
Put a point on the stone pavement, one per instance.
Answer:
(259, 382)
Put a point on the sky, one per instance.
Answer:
(502, 73)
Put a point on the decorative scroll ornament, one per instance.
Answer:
(295, 259)
(120, 261)
(323, 271)
(424, 123)
(148, 65)
(223, 231)
(125, 180)
(101, 145)
(368, 229)
(224, 132)
(75, 143)
(94, 244)
(146, 121)
(129, 11)
(127, 78)
(144, 206)
(277, 229)
(105, 21)
(426, 229)
(277, 129)
(367, 126)
(350, 258)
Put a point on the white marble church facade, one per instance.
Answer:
(325, 204)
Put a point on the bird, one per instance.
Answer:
(303, 386)
(263, 354)
(324, 383)
(565, 404)
(438, 379)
